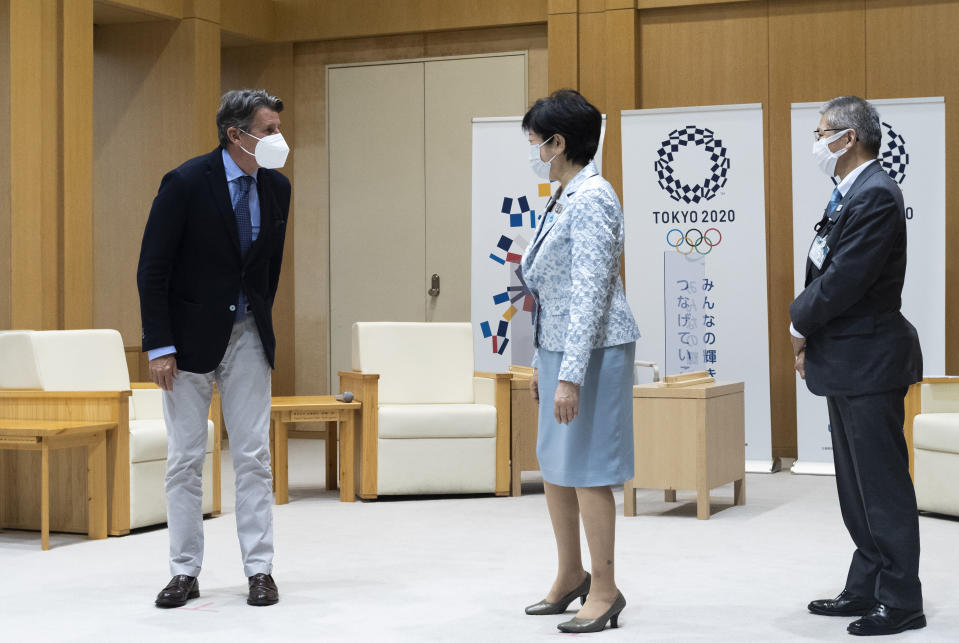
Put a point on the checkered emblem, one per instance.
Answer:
(894, 157)
(696, 137)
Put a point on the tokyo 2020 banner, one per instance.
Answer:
(696, 249)
(508, 201)
(913, 152)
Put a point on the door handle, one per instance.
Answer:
(435, 290)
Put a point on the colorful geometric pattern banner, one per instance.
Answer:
(913, 152)
(508, 202)
(696, 250)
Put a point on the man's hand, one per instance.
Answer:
(163, 371)
(534, 386)
(800, 364)
(799, 344)
(566, 405)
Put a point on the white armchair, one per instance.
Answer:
(430, 425)
(935, 446)
(82, 374)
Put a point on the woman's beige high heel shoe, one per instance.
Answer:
(544, 607)
(583, 625)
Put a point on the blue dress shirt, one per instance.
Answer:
(233, 172)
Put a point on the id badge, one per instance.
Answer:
(818, 252)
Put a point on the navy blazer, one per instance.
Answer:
(857, 341)
(191, 269)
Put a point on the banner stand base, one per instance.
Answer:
(761, 466)
(814, 468)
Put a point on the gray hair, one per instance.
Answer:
(237, 108)
(852, 112)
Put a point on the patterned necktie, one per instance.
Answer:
(244, 225)
(833, 202)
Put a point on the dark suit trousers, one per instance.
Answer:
(877, 497)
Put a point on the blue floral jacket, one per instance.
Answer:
(572, 270)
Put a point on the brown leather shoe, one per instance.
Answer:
(263, 591)
(178, 591)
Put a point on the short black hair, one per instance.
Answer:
(566, 112)
(237, 108)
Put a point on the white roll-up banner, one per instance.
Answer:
(693, 192)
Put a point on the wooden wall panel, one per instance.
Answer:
(76, 103)
(144, 127)
(311, 177)
(797, 29)
(271, 67)
(5, 281)
(563, 50)
(307, 20)
(911, 50)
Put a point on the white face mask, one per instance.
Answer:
(825, 158)
(540, 168)
(270, 152)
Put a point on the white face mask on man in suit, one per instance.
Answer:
(270, 152)
(826, 158)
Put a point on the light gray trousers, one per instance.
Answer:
(243, 379)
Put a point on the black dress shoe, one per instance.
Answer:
(263, 591)
(883, 619)
(178, 591)
(845, 604)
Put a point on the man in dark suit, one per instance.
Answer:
(853, 346)
(208, 273)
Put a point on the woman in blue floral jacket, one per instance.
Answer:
(585, 342)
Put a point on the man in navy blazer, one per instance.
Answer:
(209, 268)
(853, 346)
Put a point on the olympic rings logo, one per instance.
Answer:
(694, 242)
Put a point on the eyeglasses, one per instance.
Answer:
(817, 133)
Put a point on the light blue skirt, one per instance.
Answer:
(596, 448)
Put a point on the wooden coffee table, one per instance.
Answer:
(314, 408)
(47, 435)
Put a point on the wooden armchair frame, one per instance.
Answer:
(19, 507)
(365, 389)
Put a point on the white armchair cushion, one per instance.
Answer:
(146, 404)
(81, 360)
(148, 440)
(936, 432)
(940, 398)
(18, 366)
(413, 467)
(417, 363)
(484, 391)
(399, 421)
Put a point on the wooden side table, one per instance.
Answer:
(47, 435)
(316, 408)
(688, 438)
(524, 419)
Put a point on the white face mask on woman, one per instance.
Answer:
(825, 158)
(270, 151)
(536, 163)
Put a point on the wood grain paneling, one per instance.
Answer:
(592, 47)
(166, 9)
(32, 136)
(255, 19)
(144, 127)
(77, 159)
(5, 232)
(305, 20)
(271, 67)
(797, 29)
(311, 192)
(563, 51)
(911, 49)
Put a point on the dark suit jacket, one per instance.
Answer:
(191, 270)
(857, 341)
